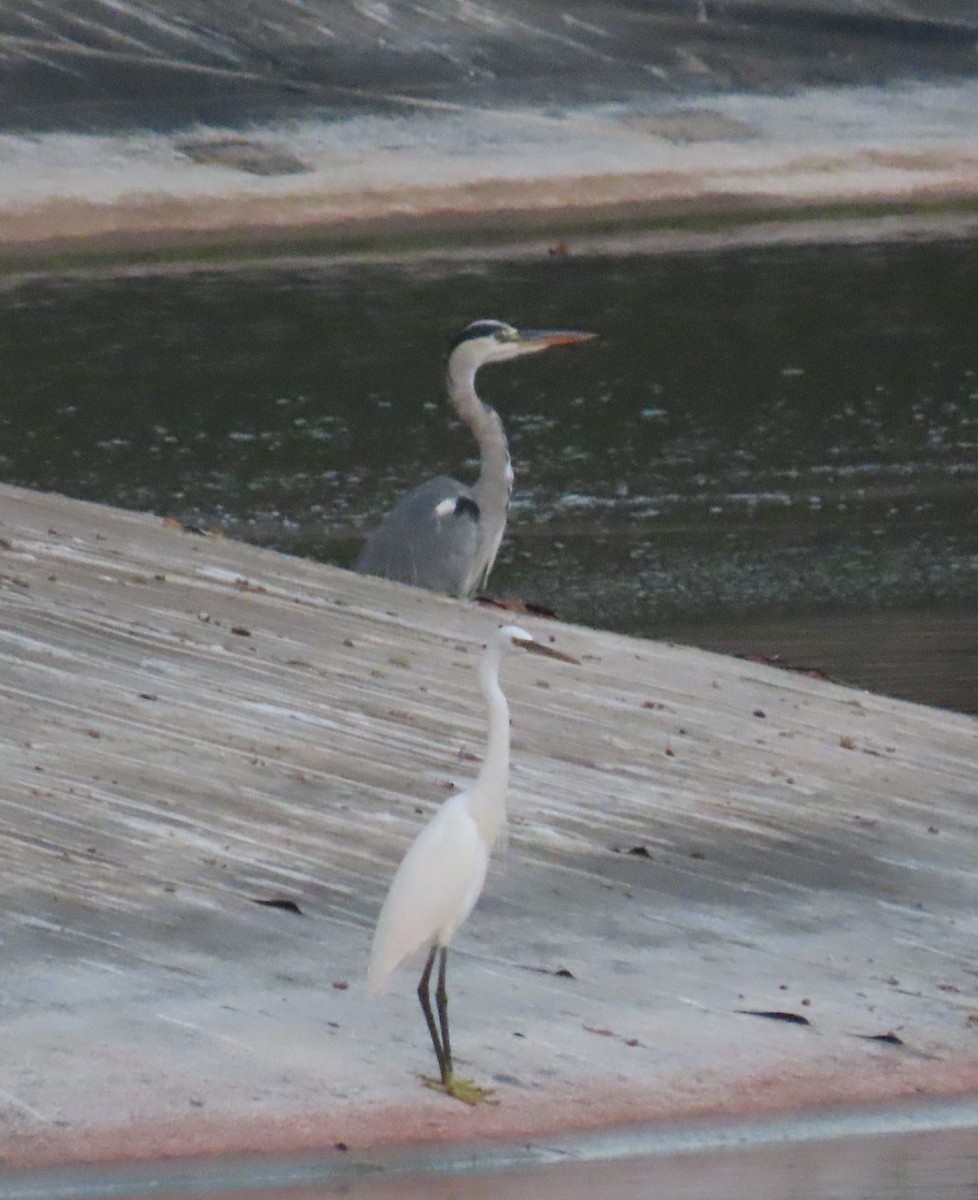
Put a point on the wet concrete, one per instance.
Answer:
(192, 725)
(162, 130)
(168, 64)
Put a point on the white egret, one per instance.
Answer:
(442, 874)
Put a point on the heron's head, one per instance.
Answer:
(511, 638)
(495, 341)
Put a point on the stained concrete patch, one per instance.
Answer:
(242, 154)
(691, 126)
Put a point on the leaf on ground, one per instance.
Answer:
(281, 902)
(890, 1038)
(775, 1015)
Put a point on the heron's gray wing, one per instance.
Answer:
(429, 539)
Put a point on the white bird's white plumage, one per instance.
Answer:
(434, 890)
(441, 876)
(443, 873)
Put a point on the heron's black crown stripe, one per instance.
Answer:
(479, 329)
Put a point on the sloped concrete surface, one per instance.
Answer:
(190, 726)
(89, 65)
(147, 127)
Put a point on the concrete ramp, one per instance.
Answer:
(86, 65)
(727, 889)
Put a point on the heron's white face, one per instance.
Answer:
(514, 638)
(491, 341)
(495, 341)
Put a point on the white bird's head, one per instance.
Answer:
(495, 341)
(510, 638)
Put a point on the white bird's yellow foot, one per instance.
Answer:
(465, 1090)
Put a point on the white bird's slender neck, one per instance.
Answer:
(487, 798)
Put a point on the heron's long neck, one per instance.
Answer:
(496, 475)
(487, 802)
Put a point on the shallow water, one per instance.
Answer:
(762, 445)
(901, 1153)
(930, 1166)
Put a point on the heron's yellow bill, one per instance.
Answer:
(542, 338)
(546, 651)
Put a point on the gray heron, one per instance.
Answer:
(442, 874)
(444, 535)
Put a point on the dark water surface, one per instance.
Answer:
(770, 451)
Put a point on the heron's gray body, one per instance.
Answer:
(443, 516)
(445, 535)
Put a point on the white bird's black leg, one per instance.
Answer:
(441, 1000)
(462, 1089)
(444, 1064)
